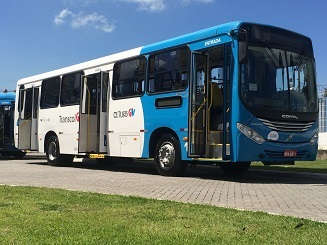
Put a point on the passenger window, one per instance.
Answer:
(26, 112)
(168, 71)
(105, 84)
(129, 77)
(71, 89)
(21, 98)
(50, 93)
(217, 75)
(36, 102)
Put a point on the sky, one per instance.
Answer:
(37, 36)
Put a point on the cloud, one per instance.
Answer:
(159, 5)
(79, 2)
(199, 1)
(60, 18)
(95, 20)
(81, 20)
(148, 5)
(101, 22)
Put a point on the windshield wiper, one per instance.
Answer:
(272, 56)
(300, 61)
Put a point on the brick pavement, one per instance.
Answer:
(293, 194)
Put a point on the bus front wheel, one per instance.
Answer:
(54, 157)
(235, 168)
(19, 154)
(168, 156)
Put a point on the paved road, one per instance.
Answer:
(293, 194)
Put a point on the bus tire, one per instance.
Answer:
(53, 155)
(6, 153)
(168, 156)
(19, 154)
(235, 168)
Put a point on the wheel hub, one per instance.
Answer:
(166, 155)
(52, 151)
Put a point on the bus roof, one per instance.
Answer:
(188, 38)
(192, 37)
(82, 66)
(173, 42)
(7, 96)
(204, 34)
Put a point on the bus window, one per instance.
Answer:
(105, 82)
(26, 112)
(168, 71)
(36, 100)
(71, 89)
(217, 75)
(21, 98)
(129, 77)
(277, 80)
(50, 93)
(90, 95)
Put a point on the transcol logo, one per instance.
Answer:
(123, 114)
(71, 119)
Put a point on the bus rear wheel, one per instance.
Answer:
(235, 168)
(53, 155)
(168, 156)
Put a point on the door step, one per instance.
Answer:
(216, 150)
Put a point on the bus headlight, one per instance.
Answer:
(250, 133)
(314, 139)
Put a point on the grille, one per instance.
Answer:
(287, 126)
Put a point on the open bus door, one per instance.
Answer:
(35, 112)
(198, 107)
(93, 113)
(209, 123)
(28, 118)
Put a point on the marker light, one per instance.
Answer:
(250, 133)
(314, 139)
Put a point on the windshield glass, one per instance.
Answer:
(278, 80)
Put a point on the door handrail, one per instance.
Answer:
(198, 110)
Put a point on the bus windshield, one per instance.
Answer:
(276, 79)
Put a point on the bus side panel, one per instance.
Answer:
(126, 127)
(63, 122)
(167, 120)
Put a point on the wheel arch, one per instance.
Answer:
(155, 136)
(46, 138)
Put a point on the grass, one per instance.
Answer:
(31, 215)
(318, 166)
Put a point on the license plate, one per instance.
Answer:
(290, 153)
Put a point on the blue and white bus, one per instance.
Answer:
(7, 109)
(227, 95)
